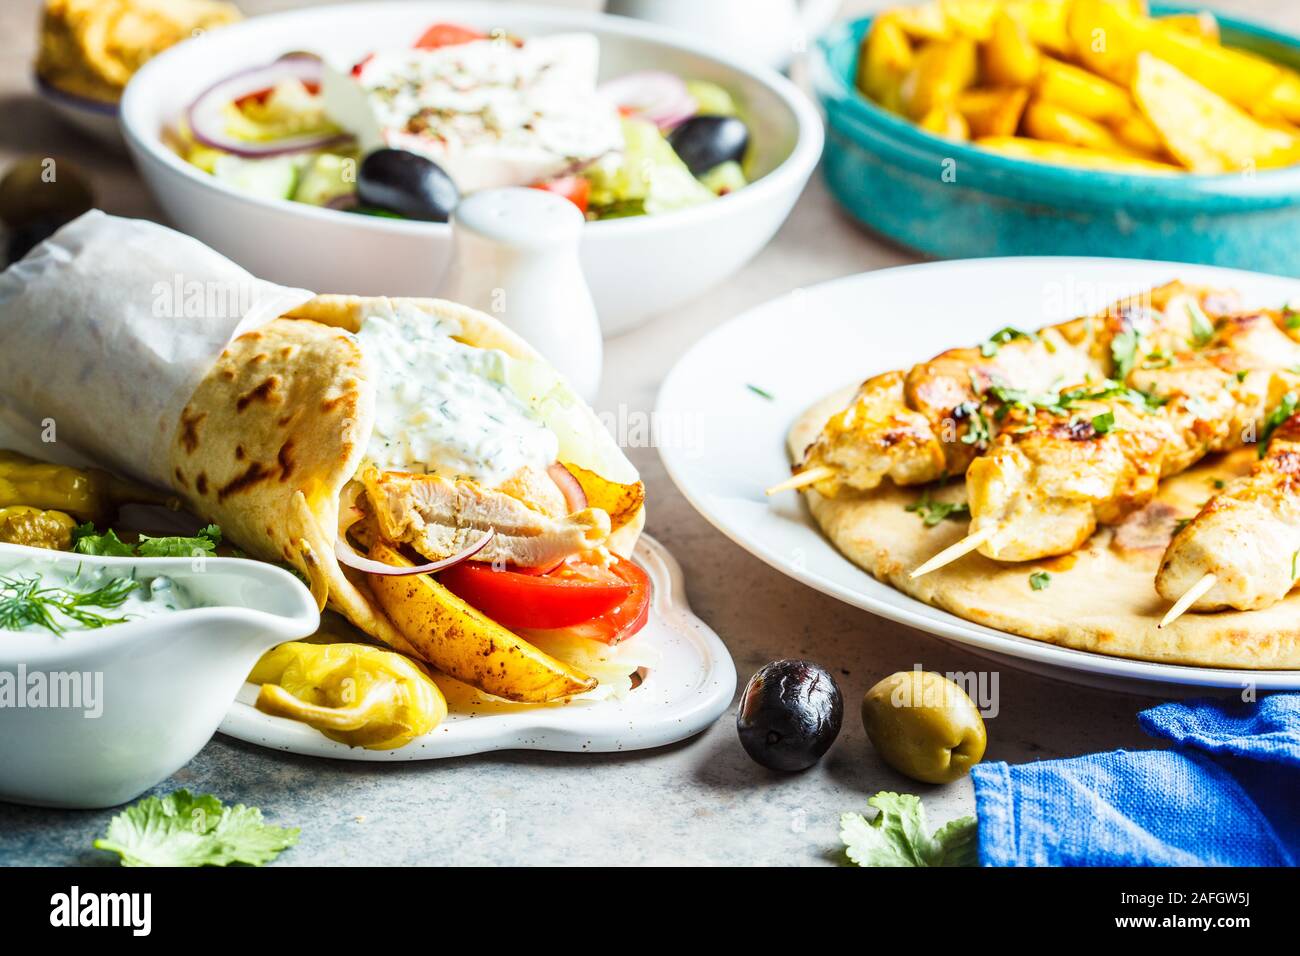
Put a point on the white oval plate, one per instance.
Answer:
(690, 688)
(800, 347)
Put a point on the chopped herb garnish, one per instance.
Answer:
(24, 603)
(1039, 580)
(1103, 423)
(932, 512)
(1241, 376)
(1157, 359)
(1294, 575)
(1202, 327)
(1219, 483)
(85, 540)
(1000, 338)
(761, 392)
(978, 431)
(1285, 409)
(1181, 523)
(1291, 316)
(1123, 353)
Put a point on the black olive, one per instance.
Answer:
(706, 142)
(43, 188)
(407, 183)
(22, 239)
(790, 714)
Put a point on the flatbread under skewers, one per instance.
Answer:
(1101, 598)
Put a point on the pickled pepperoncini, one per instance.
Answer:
(358, 695)
(86, 494)
(23, 524)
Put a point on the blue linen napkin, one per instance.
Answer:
(1227, 794)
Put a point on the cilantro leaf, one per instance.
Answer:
(897, 836)
(1124, 353)
(1285, 409)
(1000, 338)
(204, 543)
(1103, 423)
(1292, 317)
(181, 829)
(86, 541)
(1040, 580)
(932, 512)
(1202, 327)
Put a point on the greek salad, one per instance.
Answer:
(406, 132)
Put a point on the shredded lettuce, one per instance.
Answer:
(648, 175)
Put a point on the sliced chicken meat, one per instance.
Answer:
(439, 517)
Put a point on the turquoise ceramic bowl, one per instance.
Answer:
(952, 200)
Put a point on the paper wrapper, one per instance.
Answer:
(107, 327)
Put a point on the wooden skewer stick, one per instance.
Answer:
(1190, 597)
(803, 479)
(954, 551)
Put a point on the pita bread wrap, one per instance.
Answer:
(1101, 598)
(258, 413)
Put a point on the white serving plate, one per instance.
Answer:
(636, 267)
(803, 345)
(686, 693)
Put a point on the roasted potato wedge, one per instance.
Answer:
(926, 21)
(993, 112)
(886, 59)
(1136, 132)
(1203, 24)
(462, 642)
(1082, 92)
(620, 502)
(1060, 154)
(1010, 56)
(1056, 124)
(1203, 130)
(942, 70)
(947, 122)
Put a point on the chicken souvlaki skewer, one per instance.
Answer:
(1064, 464)
(1242, 550)
(931, 422)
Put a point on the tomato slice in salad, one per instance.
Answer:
(576, 189)
(447, 34)
(604, 603)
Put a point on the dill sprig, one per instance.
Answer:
(24, 603)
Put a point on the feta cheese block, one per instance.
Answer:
(491, 113)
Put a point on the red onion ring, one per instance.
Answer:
(208, 127)
(575, 499)
(662, 98)
(346, 555)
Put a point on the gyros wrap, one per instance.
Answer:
(265, 419)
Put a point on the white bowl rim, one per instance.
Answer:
(803, 157)
(287, 627)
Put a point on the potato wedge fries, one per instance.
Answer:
(1099, 84)
(465, 643)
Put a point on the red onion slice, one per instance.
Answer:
(662, 98)
(343, 551)
(208, 125)
(575, 499)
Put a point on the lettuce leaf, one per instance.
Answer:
(85, 540)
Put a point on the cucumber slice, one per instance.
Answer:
(273, 178)
(328, 176)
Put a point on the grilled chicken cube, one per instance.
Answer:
(936, 425)
(439, 517)
(876, 437)
(1050, 480)
(1247, 536)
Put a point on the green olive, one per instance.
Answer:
(924, 726)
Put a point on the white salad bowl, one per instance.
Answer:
(127, 705)
(636, 267)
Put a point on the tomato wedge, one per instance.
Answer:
(576, 189)
(603, 603)
(447, 34)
